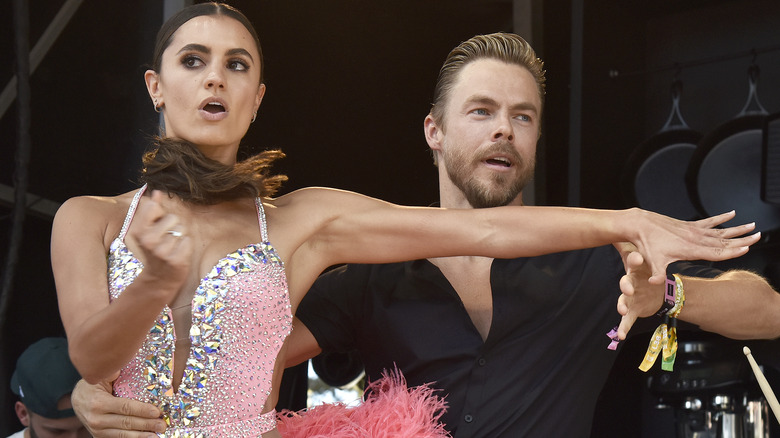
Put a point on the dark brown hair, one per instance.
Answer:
(165, 34)
(177, 167)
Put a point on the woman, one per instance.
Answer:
(167, 243)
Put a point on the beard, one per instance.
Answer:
(499, 189)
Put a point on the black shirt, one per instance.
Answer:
(541, 367)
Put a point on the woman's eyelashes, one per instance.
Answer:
(192, 61)
(195, 61)
(237, 65)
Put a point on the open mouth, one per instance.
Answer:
(214, 107)
(499, 161)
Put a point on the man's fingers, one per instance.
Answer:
(112, 417)
(626, 322)
(135, 408)
(125, 426)
(626, 287)
(622, 305)
(634, 260)
(117, 433)
(137, 424)
(657, 273)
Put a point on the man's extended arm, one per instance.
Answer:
(738, 304)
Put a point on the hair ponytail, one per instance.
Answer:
(178, 168)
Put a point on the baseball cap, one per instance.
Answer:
(44, 373)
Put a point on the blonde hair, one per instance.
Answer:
(506, 47)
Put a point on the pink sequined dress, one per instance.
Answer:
(240, 318)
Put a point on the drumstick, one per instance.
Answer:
(768, 393)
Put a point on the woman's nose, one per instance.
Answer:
(215, 79)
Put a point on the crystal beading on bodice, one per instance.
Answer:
(240, 317)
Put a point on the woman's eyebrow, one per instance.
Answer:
(240, 51)
(194, 48)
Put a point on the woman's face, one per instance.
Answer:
(209, 84)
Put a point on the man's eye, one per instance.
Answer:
(480, 112)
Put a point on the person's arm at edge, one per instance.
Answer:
(738, 304)
(301, 345)
(107, 416)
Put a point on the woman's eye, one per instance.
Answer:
(237, 65)
(192, 61)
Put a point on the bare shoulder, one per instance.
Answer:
(302, 209)
(90, 214)
(86, 207)
(305, 195)
(301, 216)
(320, 198)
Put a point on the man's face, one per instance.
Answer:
(488, 144)
(42, 427)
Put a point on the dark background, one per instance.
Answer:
(349, 83)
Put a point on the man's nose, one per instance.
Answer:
(504, 130)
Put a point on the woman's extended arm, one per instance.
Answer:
(103, 338)
(351, 228)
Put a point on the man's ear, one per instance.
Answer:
(22, 413)
(433, 134)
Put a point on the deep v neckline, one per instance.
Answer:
(214, 271)
(240, 317)
(118, 246)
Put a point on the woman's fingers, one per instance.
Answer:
(730, 232)
(163, 241)
(698, 240)
(718, 249)
(714, 221)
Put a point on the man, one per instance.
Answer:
(44, 379)
(518, 347)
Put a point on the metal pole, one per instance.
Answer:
(575, 102)
(21, 43)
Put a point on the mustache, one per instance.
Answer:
(502, 148)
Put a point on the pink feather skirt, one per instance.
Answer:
(391, 410)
